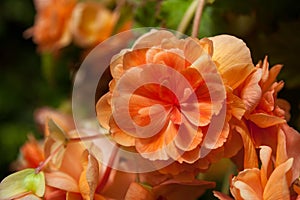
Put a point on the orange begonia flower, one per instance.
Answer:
(92, 23)
(51, 30)
(31, 154)
(201, 63)
(272, 181)
(178, 55)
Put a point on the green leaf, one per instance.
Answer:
(144, 9)
(23, 181)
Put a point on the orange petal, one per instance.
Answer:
(216, 90)
(296, 186)
(155, 147)
(118, 184)
(281, 153)
(88, 20)
(251, 92)
(134, 58)
(277, 186)
(119, 136)
(207, 45)
(32, 152)
(266, 166)
(191, 156)
(264, 120)
(178, 190)
(248, 183)
(188, 136)
(250, 157)
(104, 111)
(193, 50)
(232, 57)
(138, 192)
(89, 177)
(61, 181)
(269, 76)
(73, 196)
(221, 196)
(152, 38)
(235, 104)
(172, 58)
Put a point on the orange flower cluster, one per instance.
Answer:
(58, 22)
(222, 79)
(181, 104)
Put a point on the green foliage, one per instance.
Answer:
(147, 13)
(172, 12)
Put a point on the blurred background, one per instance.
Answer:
(31, 79)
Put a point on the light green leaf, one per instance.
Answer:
(23, 181)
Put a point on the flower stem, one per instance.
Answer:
(86, 138)
(45, 162)
(197, 18)
(187, 17)
(107, 170)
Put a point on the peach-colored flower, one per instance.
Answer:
(51, 29)
(92, 23)
(31, 154)
(201, 62)
(272, 181)
(156, 48)
(262, 109)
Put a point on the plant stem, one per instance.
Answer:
(43, 164)
(197, 18)
(86, 138)
(187, 17)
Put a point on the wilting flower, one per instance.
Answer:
(51, 30)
